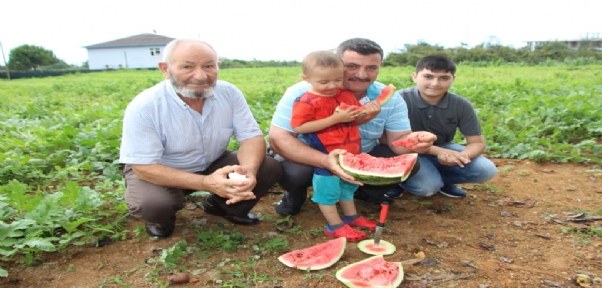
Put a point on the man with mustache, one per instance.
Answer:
(175, 139)
(362, 59)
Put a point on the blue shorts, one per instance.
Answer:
(328, 190)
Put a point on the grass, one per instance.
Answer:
(60, 183)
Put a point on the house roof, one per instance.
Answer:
(146, 39)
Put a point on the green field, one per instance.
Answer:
(60, 137)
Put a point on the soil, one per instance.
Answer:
(527, 227)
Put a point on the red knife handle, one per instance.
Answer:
(384, 210)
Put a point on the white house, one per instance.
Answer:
(139, 51)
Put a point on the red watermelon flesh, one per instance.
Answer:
(408, 142)
(316, 257)
(378, 170)
(372, 272)
(384, 247)
(385, 94)
(345, 106)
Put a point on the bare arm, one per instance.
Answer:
(217, 183)
(315, 126)
(475, 145)
(251, 153)
(321, 124)
(286, 144)
(169, 177)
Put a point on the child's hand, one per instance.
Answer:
(343, 116)
(372, 109)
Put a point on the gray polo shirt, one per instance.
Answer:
(442, 119)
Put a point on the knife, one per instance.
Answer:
(381, 223)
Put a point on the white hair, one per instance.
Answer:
(168, 50)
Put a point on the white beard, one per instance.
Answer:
(188, 93)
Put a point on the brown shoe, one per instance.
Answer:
(161, 230)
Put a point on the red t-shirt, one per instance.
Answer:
(311, 107)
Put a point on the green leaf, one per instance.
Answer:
(44, 244)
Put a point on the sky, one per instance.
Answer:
(289, 29)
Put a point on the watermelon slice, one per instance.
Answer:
(316, 257)
(385, 95)
(384, 247)
(408, 142)
(345, 106)
(372, 272)
(378, 170)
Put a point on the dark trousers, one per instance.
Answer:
(296, 178)
(156, 204)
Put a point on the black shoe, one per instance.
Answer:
(212, 209)
(361, 195)
(283, 210)
(250, 219)
(161, 230)
(452, 191)
(395, 193)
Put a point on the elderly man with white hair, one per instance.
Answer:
(175, 139)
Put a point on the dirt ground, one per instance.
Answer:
(528, 227)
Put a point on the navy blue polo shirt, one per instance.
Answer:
(444, 118)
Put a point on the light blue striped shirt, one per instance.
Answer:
(158, 127)
(393, 115)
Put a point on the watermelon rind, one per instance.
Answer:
(385, 94)
(364, 267)
(387, 247)
(375, 178)
(316, 257)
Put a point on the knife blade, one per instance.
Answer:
(384, 210)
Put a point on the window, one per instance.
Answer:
(155, 52)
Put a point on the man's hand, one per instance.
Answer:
(252, 181)
(452, 158)
(330, 162)
(233, 190)
(426, 141)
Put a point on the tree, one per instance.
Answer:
(553, 51)
(61, 65)
(27, 57)
(411, 53)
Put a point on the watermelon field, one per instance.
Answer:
(538, 223)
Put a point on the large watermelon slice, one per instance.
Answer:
(384, 247)
(316, 257)
(384, 97)
(377, 170)
(373, 272)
